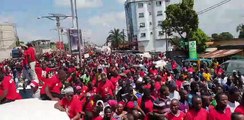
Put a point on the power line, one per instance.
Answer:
(213, 7)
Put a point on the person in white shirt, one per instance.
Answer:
(234, 94)
(174, 94)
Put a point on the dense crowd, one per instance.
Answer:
(125, 86)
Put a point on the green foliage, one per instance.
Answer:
(240, 29)
(201, 38)
(18, 42)
(222, 36)
(181, 19)
(116, 37)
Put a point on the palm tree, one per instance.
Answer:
(240, 29)
(116, 37)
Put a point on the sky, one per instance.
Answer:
(98, 17)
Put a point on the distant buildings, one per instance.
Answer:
(8, 36)
(143, 19)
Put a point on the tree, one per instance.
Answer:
(226, 36)
(240, 29)
(222, 36)
(181, 19)
(215, 36)
(201, 38)
(116, 37)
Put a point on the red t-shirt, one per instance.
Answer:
(25, 60)
(171, 116)
(42, 74)
(157, 85)
(105, 88)
(216, 115)
(192, 114)
(240, 109)
(9, 85)
(148, 105)
(88, 105)
(115, 80)
(32, 53)
(54, 84)
(98, 118)
(72, 107)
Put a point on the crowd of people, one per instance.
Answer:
(125, 86)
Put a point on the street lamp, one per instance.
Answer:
(57, 18)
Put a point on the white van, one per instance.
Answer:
(231, 65)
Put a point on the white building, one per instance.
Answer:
(8, 36)
(143, 19)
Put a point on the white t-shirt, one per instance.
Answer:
(233, 106)
(174, 95)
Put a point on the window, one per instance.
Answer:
(158, 3)
(143, 35)
(142, 25)
(160, 33)
(140, 5)
(159, 13)
(150, 13)
(141, 15)
(150, 23)
(160, 23)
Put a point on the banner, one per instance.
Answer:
(192, 50)
(74, 40)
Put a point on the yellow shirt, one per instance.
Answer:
(207, 76)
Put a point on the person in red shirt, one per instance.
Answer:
(197, 112)
(105, 86)
(240, 108)
(8, 88)
(146, 103)
(175, 113)
(70, 104)
(32, 60)
(221, 111)
(42, 72)
(25, 63)
(51, 90)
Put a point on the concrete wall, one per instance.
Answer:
(8, 36)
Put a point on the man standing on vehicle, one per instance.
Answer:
(32, 60)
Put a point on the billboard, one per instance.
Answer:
(193, 50)
(74, 40)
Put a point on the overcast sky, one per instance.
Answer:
(98, 17)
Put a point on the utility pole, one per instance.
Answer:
(75, 23)
(57, 18)
(72, 13)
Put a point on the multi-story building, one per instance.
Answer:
(8, 36)
(144, 19)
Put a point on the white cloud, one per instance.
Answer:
(108, 19)
(121, 1)
(102, 24)
(80, 3)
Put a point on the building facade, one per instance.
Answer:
(8, 36)
(143, 20)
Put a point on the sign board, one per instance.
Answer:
(192, 50)
(74, 40)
